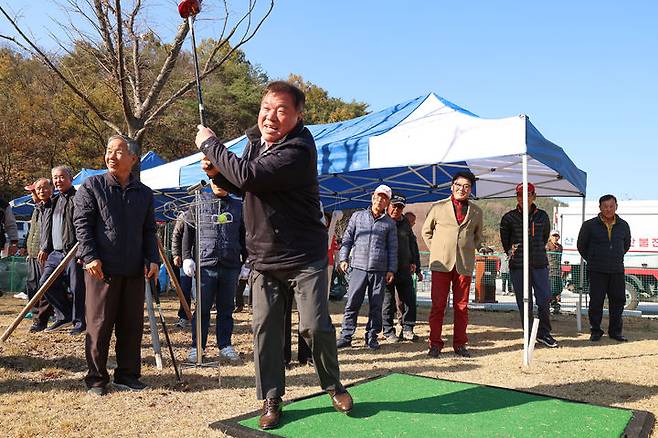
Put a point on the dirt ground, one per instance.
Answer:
(42, 392)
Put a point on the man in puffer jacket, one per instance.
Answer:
(373, 236)
(221, 240)
(511, 236)
(115, 225)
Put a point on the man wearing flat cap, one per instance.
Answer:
(372, 234)
(402, 286)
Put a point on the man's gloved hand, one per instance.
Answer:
(189, 267)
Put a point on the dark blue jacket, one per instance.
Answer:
(604, 254)
(220, 244)
(116, 225)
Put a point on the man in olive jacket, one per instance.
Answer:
(602, 242)
(452, 232)
(285, 239)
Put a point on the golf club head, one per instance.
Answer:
(189, 8)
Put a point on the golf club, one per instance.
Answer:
(188, 9)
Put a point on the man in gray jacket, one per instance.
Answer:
(373, 236)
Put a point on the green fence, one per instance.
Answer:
(13, 272)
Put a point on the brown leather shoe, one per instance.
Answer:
(342, 401)
(271, 415)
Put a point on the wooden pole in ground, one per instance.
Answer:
(42, 290)
(174, 280)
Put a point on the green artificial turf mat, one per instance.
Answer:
(400, 405)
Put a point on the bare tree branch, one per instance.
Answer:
(136, 77)
(125, 104)
(209, 68)
(165, 71)
(44, 58)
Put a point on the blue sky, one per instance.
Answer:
(585, 72)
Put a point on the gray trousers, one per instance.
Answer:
(374, 283)
(271, 293)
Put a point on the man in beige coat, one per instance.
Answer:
(452, 232)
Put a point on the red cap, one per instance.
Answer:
(531, 188)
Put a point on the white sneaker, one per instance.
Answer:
(21, 296)
(191, 357)
(229, 353)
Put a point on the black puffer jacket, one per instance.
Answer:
(281, 198)
(407, 246)
(116, 225)
(604, 254)
(68, 238)
(220, 244)
(511, 236)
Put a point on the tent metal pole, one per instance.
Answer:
(581, 285)
(526, 261)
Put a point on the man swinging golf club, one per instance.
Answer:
(285, 239)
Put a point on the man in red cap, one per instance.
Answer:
(511, 236)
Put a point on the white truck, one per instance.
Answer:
(641, 261)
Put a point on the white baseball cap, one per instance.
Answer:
(385, 190)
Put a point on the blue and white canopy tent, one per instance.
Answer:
(416, 146)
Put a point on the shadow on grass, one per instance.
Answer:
(35, 363)
(471, 400)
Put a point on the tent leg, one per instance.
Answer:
(526, 262)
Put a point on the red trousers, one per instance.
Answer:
(440, 288)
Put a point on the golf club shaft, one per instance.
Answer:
(156, 298)
(202, 114)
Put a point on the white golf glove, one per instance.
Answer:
(189, 267)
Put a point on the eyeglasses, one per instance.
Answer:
(464, 187)
(397, 206)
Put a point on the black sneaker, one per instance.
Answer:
(56, 325)
(129, 384)
(548, 341)
(343, 343)
(373, 344)
(434, 351)
(37, 326)
(77, 330)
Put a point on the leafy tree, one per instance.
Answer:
(320, 108)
